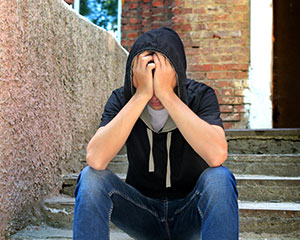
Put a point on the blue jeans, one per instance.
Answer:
(209, 212)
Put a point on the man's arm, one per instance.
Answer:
(108, 140)
(207, 140)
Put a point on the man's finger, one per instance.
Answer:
(156, 59)
(145, 53)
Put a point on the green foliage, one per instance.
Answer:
(103, 13)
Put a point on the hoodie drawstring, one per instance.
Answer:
(168, 177)
(151, 159)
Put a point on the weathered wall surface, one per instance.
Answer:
(215, 34)
(56, 72)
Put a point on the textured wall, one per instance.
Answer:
(215, 34)
(56, 72)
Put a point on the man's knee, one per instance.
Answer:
(90, 180)
(218, 180)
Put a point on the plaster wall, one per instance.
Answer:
(56, 72)
(258, 99)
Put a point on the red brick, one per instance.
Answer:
(228, 117)
(146, 22)
(158, 3)
(206, 51)
(241, 8)
(230, 100)
(123, 42)
(220, 75)
(134, 20)
(186, 27)
(130, 27)
(226, 58)
(213, 75)
(186, 10)
(224, 84)
(178, 2)
(241, 75)
(204, 67)
(199, 10)
(132, 35)
(146, 14)
(222, 67)
(177, 19)
(212, 59)
(239, 108)
(221, 17)
(158, 18)
(133, 6)
(238, 92)
(200, 27)
(228, 92)
(175, 10)
(157, 11)
(198, 75)
(227, 125)
(226, 108)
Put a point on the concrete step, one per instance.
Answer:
(263, 141)
(264, 164)
(45, 232)
(268, 188)
(273, 218)
(70, 182)
(251, 187)
(259, 217)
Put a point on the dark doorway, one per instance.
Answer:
(286, 64)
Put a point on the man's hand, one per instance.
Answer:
(142, 74)
(164, 76)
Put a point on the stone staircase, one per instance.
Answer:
(266, 164)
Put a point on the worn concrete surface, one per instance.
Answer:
(44, 232)
(56, 72)
(263, 141)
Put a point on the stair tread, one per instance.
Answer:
(283, 206)
(261, 155)
(74, 176)
(264, 177)
(263, 132)
(46, 232)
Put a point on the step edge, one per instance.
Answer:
(269, 206)
(265, 177)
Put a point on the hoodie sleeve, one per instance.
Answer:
(208, 108)
(113, 105)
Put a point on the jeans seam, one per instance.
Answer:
(166, 218)
(133, 202)
(109, 217)
(186, 205)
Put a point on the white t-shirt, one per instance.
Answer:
(158, 117)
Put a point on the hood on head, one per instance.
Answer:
(167, 42)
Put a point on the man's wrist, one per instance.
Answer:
(167, 97)
(140, 96)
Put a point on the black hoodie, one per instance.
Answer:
(163, 164)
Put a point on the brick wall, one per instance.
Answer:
(215, 34)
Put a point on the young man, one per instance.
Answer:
(176, 187)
